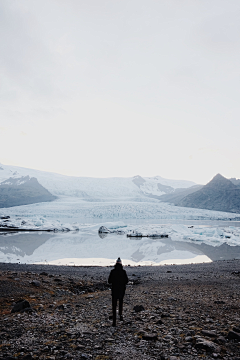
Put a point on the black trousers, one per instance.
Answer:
(114, 307)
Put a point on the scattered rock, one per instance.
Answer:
(148, 336)
(233, 335)
(44, 273)
(36, 283)
(194, 327)
(209, 333)
(221, 340)
(188, 338)
(138, 308)
(20, 305)
(236, 329)
(165, 315)
(85, 356)
(207, 345)
(60, 307)
(27, 357)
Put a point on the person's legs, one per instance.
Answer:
(114, 307)
(121, 308)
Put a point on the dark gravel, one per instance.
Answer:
(187, 312)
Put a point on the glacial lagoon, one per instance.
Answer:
(188, 242)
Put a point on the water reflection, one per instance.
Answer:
(22, 244)
(90, 249)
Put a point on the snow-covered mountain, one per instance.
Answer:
(134, 188)
(157, 186)
(22, 191)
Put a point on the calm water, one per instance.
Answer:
(88, 248)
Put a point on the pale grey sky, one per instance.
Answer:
(119, 88)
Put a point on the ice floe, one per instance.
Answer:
(36, 224)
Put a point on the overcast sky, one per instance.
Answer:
(119, 88)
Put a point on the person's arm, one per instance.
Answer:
(110, 278)
(126, 277)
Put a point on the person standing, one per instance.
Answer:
(118, 278)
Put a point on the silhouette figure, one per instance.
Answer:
(118, 278)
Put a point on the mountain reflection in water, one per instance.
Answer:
(89, 249)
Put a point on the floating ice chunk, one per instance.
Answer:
(36, 224)
(104, 230)
(135, 234)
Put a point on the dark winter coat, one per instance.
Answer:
(118, 278)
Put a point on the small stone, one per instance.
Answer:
(221, 340)
(44, 273)
(36, 283)
(148, 336)
(207, 345)
(138, 308)
(233, 335)
(27, 357)
(165, 315)
(85, 356)
(236, 329)
(209, 333)
(20, 305)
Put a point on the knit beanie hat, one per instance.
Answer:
(118, 261)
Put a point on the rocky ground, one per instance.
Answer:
(170, 312)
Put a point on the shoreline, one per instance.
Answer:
(184, 271)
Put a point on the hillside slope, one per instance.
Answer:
(23, 191)
(219, 194)
(179, 194)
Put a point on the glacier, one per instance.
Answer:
(73, 208)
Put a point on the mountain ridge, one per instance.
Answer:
(219, 194)
(98, 188)
(23, 191)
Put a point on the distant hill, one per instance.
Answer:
(22, 191)
(219, 194)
